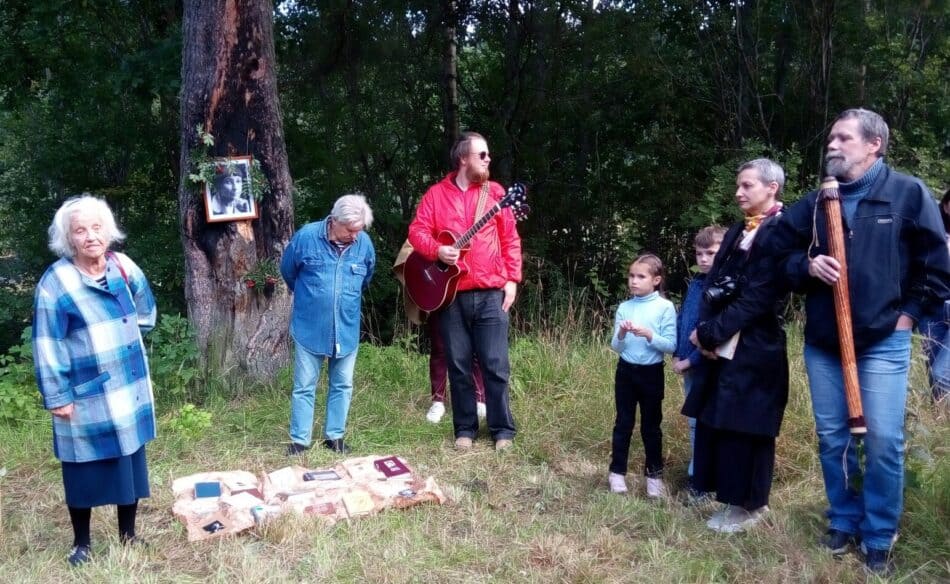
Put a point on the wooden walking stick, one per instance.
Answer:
(830, 199)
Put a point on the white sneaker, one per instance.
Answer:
(738, 519)
(618, 483)
(655, 488)
(482, 411)
(715, 522)
(436, 411)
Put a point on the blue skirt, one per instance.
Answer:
(113, 481)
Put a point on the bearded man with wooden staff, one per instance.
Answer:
(898, 270)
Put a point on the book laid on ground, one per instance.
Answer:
(203, 490)
(357, 503)
(391, 466)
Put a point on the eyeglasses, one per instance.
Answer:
(483, 155)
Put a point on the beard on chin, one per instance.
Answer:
(836, 166)
(476, 176)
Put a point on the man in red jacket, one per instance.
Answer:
(475, 324)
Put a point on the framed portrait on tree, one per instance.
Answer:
(229, 195)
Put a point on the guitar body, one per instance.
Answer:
(431, 285)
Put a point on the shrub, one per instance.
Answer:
(19, 398)
(173, 356)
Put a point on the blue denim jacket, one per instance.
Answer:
(327, 288)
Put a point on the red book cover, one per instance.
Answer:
(391, 466)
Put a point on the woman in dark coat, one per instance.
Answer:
(740, 407)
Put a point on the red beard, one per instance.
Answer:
(476, 176)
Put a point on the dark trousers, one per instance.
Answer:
(638, 385)
(438, 367)
(736, 465)
(475, 326)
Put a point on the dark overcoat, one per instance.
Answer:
(747, 393)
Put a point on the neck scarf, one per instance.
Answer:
(753, 222)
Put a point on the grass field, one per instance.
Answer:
(538, 513)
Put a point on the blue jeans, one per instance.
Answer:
(935, 330)
(475, 325)
(870, 507)
(306, 374)
(691, 378)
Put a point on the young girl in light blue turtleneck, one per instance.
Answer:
(644, 329)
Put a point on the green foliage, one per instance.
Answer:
(19, 398)
(191, 422)
(173, 357)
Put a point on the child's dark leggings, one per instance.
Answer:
(638, 385)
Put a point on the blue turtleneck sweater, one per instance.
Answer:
(652, 311)
(852, 192)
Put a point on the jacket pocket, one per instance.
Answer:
(355, 277)
(93, 387)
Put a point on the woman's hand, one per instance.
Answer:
(64, 412)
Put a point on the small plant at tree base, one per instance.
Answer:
(204, 167)
(264, 277)
(191, 421)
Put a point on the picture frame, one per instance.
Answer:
(230, 196)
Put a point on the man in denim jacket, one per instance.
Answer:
(327, 266)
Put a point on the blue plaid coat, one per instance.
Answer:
(88, 351)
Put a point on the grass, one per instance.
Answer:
(539, 513)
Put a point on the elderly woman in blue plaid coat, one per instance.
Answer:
(92, 307)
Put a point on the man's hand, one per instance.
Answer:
(825, 268)
(511, 288)
(448, 255)
(64, 412)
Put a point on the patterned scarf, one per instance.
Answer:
(753, 222)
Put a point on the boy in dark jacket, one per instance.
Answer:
(687, 360)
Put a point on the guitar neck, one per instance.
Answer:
(468, 235)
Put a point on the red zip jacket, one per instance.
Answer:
(494, 256)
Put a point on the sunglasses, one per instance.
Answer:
(483, 155)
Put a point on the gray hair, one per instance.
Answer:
(769, 172)
(462, 147)
(872, 126)
(351, 210)
(59, 242)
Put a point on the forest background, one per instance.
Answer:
(626, 119)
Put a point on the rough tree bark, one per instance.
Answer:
(229, 87)
(450, 94)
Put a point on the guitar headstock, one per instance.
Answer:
(516, 197)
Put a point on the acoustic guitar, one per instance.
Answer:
(431, 284)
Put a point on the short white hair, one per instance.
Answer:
(351, 210)
(59, 242)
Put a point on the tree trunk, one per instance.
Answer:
(450, 93)
(229, 87)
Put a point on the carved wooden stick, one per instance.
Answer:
(831, 203)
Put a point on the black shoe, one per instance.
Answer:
(878, 562)
(79, 555)
(837, 542)
(336, 445)
(293, 449)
